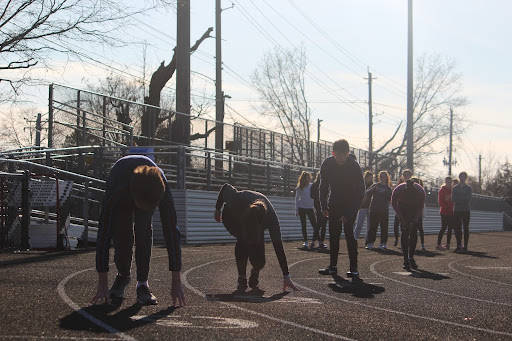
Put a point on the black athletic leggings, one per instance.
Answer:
(396, 226)
(446, 222)
(311, 215)
(255, 253)
(461, 220)
(409, 234)
(420, 229)
(376, 219)
(321, 221)
(335, 226)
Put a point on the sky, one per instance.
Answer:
(343, 39)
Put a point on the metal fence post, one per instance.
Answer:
(268, 177)
(250, 175)
(208, 171)
(180, 168)
(230, 174)
(25, 210)
(85, 233)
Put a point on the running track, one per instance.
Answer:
(451, 297)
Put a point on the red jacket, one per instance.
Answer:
(446, 204)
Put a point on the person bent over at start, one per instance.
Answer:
(246, 214)
(135, 187)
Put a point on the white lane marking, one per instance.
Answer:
(451, 267)
(372, 269)
(40, 337)
(408, 273)
(391, 310)
(293, 324)
(62, 293)
(489, 267)
(202, 322)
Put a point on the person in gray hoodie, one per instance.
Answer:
(461, 197)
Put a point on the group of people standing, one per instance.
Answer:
(136, 187)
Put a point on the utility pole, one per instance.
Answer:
(410, 117)
(183, 72)
(38, 130)
(451, 144)
(318, 142)
(480, 171)
(219, 99)
(370, 119)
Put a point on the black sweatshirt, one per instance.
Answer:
(346, 185)
(238, 201)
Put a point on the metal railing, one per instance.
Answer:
(80, 117)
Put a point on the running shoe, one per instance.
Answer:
(305, 245)
(254, 279)
(447, 246)
(423, 247)
(117, 289)
(330, 270)
(413, 264)
(383, 247)
(145, 296)
(440, 248)
(369, 246)
(407, 266)
(395, 243)
(353, 273)
(322, 246)
(312, 245)
(458, 250)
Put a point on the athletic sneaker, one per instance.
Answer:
(369, 246)
(330, 270)
(312, 245)
(353, 273)
(413, 263)
(447, 246)
(254, 279)
(322, 246)
(395, 243)
(242, 283)
(407, 266)
(464, 250)
(458, 249)
(117, 289)
(305, 245)
(145, 296)
(383, 246)
(440, 248)
(423, 247)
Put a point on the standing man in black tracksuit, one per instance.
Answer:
(342, 176)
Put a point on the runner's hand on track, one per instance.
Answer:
(287, 283)
(177, 290)
(102, 295)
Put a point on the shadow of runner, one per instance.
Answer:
(357, 287)
(124, 320)
(418, 273)
(389, 252)
(252, 296)
(479, 254)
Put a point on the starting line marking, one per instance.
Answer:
(489, 267)
(202, 322)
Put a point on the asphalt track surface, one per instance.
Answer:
(450, 297)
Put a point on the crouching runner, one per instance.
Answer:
(246, 214)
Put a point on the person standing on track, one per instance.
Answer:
(423, 213)
(444, 197)
(321, 220)
(364, 211)
(343, 179)
(380, 194)
(246, 214)
(134, 188)
(461, 197)
(304, 205)
(408, 200)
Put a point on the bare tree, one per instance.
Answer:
(280, 82)
(32, 30)
(18, 129)
(437, 89)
